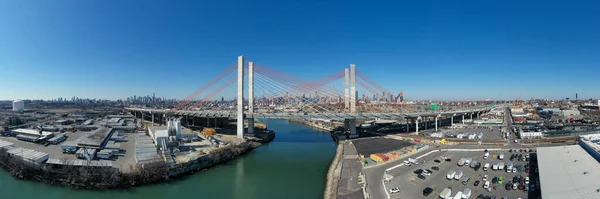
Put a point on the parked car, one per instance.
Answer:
(476, 183)
(422, 177)
(435, 168)
(466, 180)
(427, 191)
(426, 172)
(508, 186)
(418, 171)
(437, 161)
(395, 190)
(485, 177)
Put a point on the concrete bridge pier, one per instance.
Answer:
(251, 126)
(152, 115)
(350, 124)
(463, 119)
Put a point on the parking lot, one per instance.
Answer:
(411, 186)
(488, 133)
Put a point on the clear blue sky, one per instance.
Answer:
(427, 49)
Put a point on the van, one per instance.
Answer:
(495, 166)
(446, 193)
(501, 166)
(473, 164)
(468, 161)
(458, 195)
(501, 156)
(466, 193)
(509, 167)
(450, 175)
(466, 181)
(486, 166)
(461, 162)
(458, 175)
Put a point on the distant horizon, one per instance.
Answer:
(429, 50)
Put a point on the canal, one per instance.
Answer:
(294, 165)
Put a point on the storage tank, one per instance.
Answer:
(18, 105)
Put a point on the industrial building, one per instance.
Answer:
(18, 105)
(6, 145)
(145, 150)
(86, 153)
(31, 157)
(62, 122)
(96, 139)
(568, 172)
(30, 135)
(73, 162)
(162, 135)
(57, 139)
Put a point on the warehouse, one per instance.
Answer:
(62, 122)
(72, 162)
(6, 145)
(568, 172)
(96, 140)
(105, 154)
(145, 150)
(57, 139)
(32, 157)
(31, 135)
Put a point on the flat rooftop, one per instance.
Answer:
(96, 138)
(368, 146)
(568, 172)
(31, 132)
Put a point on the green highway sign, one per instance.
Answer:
(434, 106)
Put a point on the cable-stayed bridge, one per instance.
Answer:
(257, 91)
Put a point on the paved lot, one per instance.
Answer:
(373, 145)
(489, 133)
(412, 187)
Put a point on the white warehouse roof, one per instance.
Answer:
(568, 172)
(31, 132)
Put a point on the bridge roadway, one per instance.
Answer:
(340, 115)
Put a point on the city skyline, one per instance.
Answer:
(172, 49)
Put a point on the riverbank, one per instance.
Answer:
(307, 123)
(91, 177)
(333, 174)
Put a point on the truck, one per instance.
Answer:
(501, 166)
(446, 193)
(450, 175)
(486, 166)
(458, 175)
(468, 160)
(461, 162)
(466, 193)
(501, 156)
(473, 164)
(495, 166)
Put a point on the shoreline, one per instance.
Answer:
(95, 178)
(331, 179)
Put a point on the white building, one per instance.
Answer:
(18, 105)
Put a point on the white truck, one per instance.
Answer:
(450, 175)
(461, 162)
(501, 156)
(446, 193)
(486, 166)
(474, 163)
(466, 193)
(501, 166)
(468, 160)
(495, 166)
(458, 175)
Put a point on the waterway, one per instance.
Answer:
(293, 165)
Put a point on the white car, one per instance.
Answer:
(526, 180)
(485, 178)
(514, 170)
(426, 173)
(486, 184)
(395, 190)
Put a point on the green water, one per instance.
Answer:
(294, 165)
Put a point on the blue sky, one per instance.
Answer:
(457, 50)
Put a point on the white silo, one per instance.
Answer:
(18, 105)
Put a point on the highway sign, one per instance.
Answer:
(492, 105)
(434, 106)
